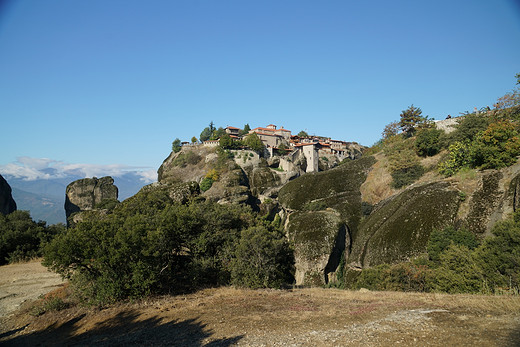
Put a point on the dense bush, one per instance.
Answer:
(151, 245)
(496, 147)
(427, 142)
(21, 238)
(263, 259)
(441, 239)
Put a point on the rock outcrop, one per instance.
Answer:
(85, 194)
(7, 203)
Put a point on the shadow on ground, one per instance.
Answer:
(124, 329)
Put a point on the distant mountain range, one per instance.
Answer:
(45, 198)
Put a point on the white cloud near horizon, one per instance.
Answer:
(30, 169)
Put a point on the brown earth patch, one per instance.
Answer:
(299, 317)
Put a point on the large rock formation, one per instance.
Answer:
(324, 211)
(7, 203)
(87, 193)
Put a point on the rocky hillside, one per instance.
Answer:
(7, 203)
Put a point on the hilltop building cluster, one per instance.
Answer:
(281, 142)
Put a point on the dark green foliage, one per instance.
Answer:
(206, 184)
(496, 147)
(458, 264)
(499, 255)
(150, 245)
(218, 133)
(21, 238)
(303, 134)
(253, 141)
(457, 272)
(406, 175)
(263, 259)
(315, 206)
(441, 239)
(405, 276)
(205, 134)
(427, 142)
(468, 128)
(226, 142)
(411, 120)
(176, 145)
(245, 131)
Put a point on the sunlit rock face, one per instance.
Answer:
(85, 194)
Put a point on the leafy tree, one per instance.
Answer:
(468, 127)
(458, 158)
(246, 130)
(193, 139)
(390, 130)
(427, 142)
(176, 145)
(205, 134)
(411, 120)
(263, 259)
(218, 133)
(253, 141)
(226, 142)
(498, 146)
(303, 134)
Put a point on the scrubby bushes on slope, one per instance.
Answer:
(456, 263)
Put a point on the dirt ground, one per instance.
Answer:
(299, 317)
(22, 282)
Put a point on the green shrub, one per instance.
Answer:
(440, 240)
(206, 184)
(406, 175)
(458, 272)
(263, 259)
(496, 147)
(149, 245)
(21, 238)
(427, 142)
(499, 255)
(458, 158)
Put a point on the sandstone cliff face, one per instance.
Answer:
(85, 194)
(7, 203)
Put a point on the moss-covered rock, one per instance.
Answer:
(262, 179)
(484, 202)
(319, 238)
(399, 228)
(337, 188)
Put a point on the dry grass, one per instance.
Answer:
(303, 317)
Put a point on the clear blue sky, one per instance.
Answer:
(114, 82)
